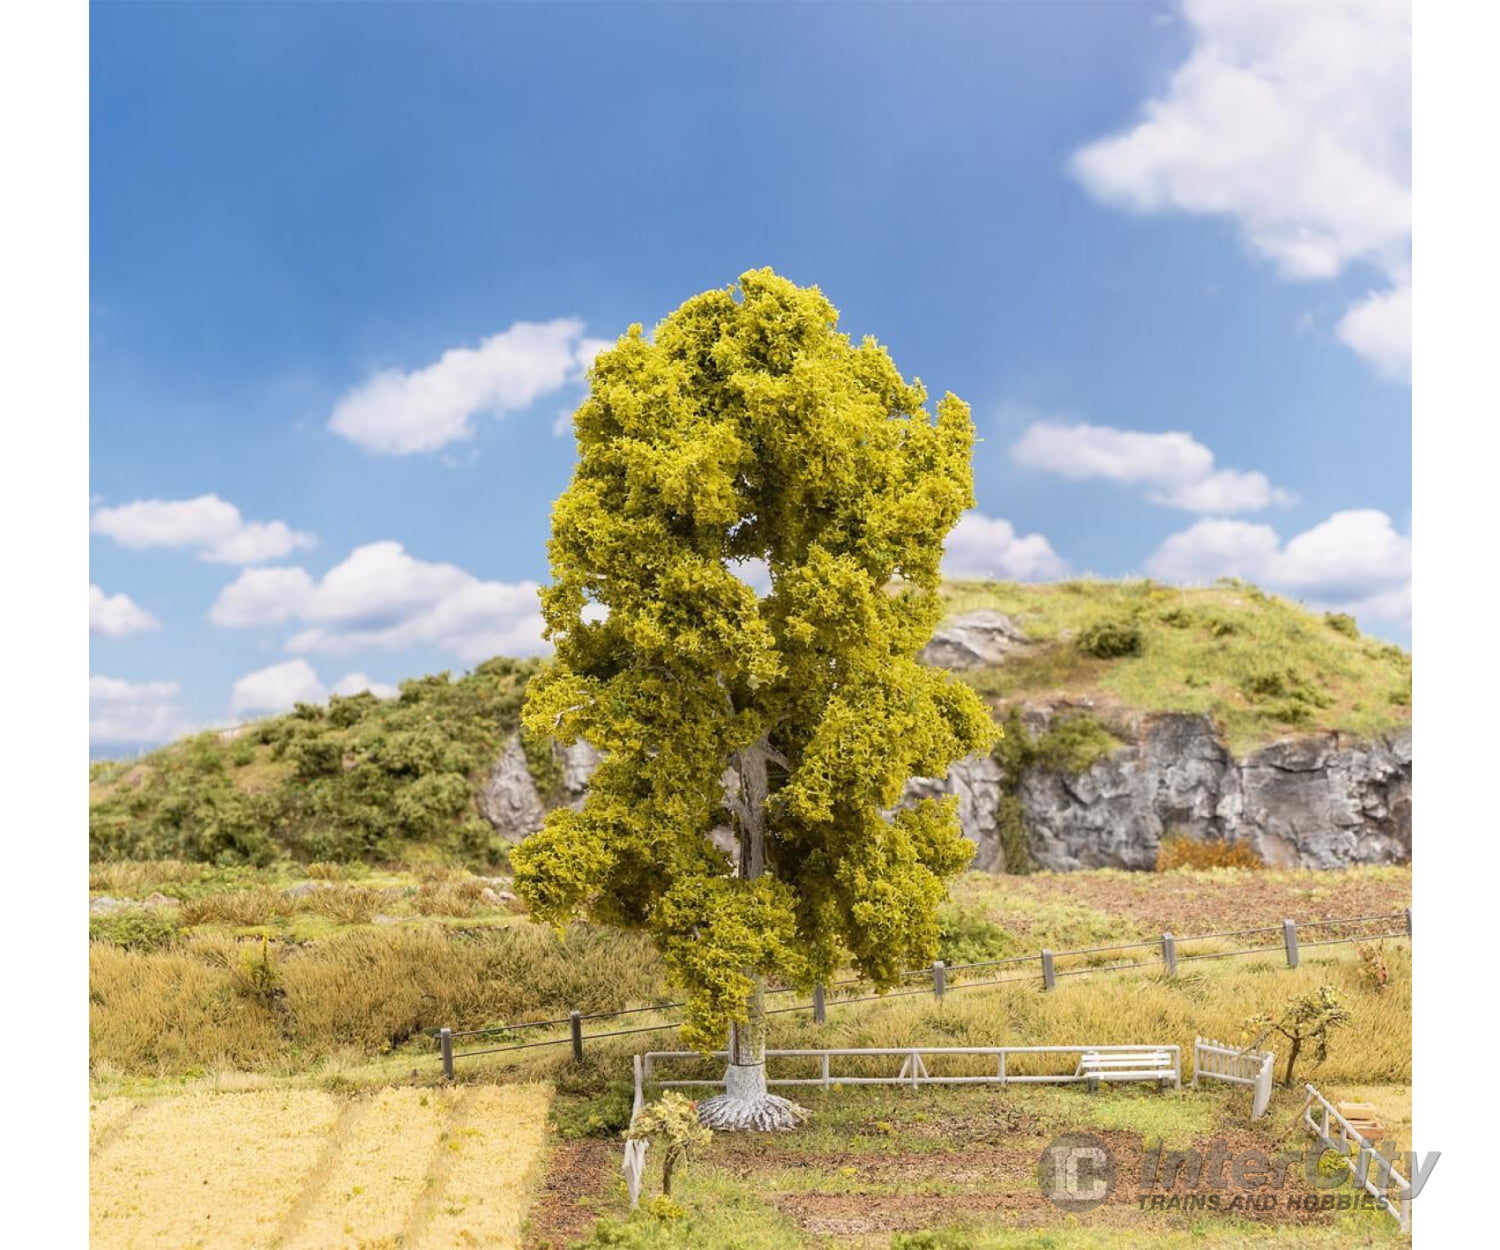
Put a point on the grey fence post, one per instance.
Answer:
(939, 978)
(1169, 953)
(575, 1025)
(1049, 979)
(820, 1008)
(1408, 922)
(1289, 935)
(445, 1042)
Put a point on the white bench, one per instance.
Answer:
(1128, 1065)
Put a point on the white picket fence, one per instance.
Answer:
(1217, 1061)
(1373, 1171)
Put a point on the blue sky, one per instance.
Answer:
(348, 263)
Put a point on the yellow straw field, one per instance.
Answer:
(298, 1169)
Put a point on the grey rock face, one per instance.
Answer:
(509, 799)
(1315, 801)
(976, 782)
(104, 905)
(973, 640)
(1321, 801)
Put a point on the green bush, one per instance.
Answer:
(1341, 623)
(135, 929)
(967, 937)
(604, 1115)
(1111, 638)
(357, 780)
(315, 755)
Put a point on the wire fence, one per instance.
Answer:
(945, 979)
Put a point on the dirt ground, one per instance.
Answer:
(1192, 903)
(896, 1163)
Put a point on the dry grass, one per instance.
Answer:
(376, 1177)
(215, 1001)
(347, 904)
(460, 897)
(104, 1115)
(493, 1157)
(140, 877)
(220, 1170)
(240, 909)
(292, 1168)
(1125, 1007)
(175, 1012)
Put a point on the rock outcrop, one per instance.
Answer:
(1314, 801)
(510, 799)
(1319, 801)
(973, 640)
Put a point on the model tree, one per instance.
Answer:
(749, 441)
(1307, 1020)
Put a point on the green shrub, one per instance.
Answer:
(1111, 638)
(360, 780)
(1341, 623)
(968, 937)
(316, 755)
(135, 928)
(1010, 821)
(606, 1114)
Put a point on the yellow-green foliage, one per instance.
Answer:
(748, 428)
(361, 778)
(671, 1121)
(1259, 665)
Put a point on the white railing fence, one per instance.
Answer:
(1217, 1061)
(1373, 1171)
(914, 1071)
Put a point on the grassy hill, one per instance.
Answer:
(1260, 666)
(396, 780)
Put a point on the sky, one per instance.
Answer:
(349, 263)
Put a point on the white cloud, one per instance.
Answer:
(1379, 329)
(1178, 469)
(1355, 561)
(135, 713)
(988, 547)
(381, 598)
(399, 413)
(210, 524)
(277, 688)
(263, 597)
(117, 616)
(356, 683)
(1293, 120)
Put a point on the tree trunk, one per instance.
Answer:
(1291, 1060)
(745, 1102)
